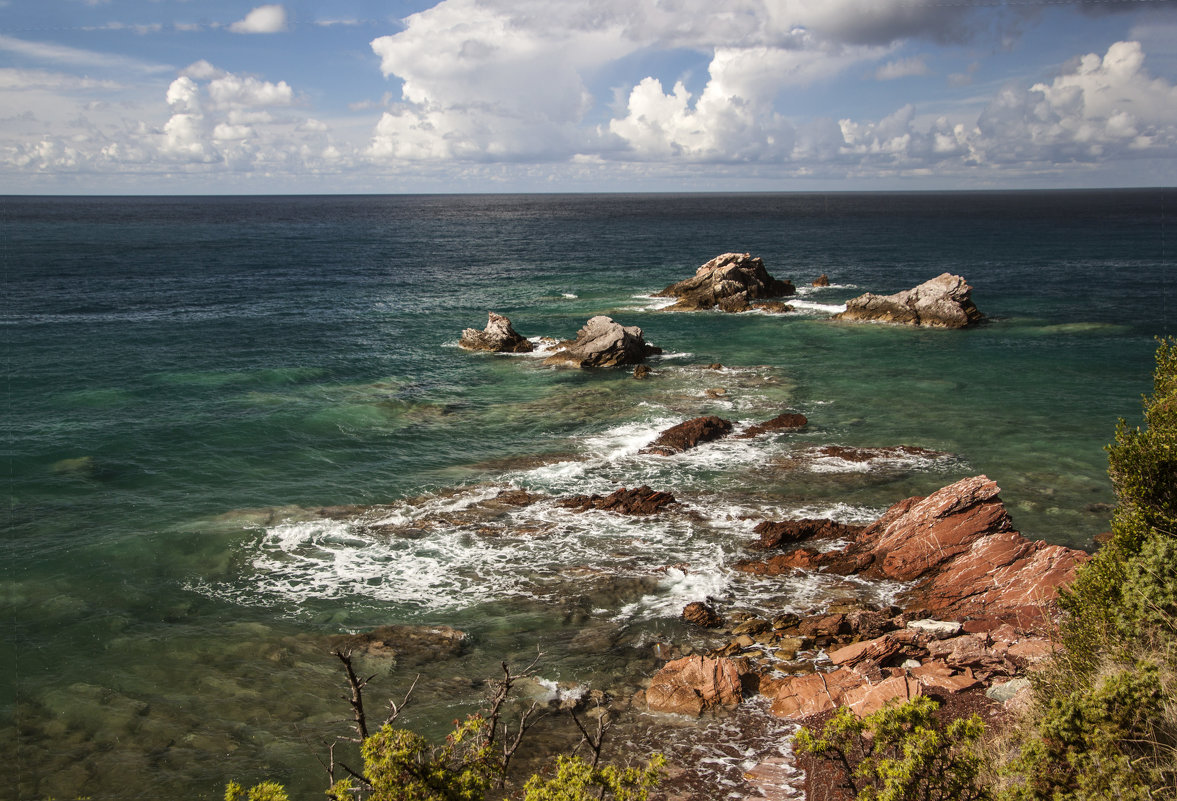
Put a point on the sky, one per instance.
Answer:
(309, 96)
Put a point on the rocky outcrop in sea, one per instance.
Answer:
(943, 302)
(730, 282)
(603, 342)
(498, 336)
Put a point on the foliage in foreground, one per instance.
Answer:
(471, 765)
(901, 753)
(577, 779)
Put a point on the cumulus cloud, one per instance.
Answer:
(496, 79)
(1101, 106)
(478, 84)
(263, 19)
(235, 91)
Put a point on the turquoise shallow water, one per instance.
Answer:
(190, 380)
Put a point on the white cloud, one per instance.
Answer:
(903, 68)
(202, 71)
(491, 80)
(263, 19)
(72, 56)
(25, 79)
(235, 91)
(506, 87)
(1103, 106)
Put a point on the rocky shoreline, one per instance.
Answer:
(972, 619)
(976, 612)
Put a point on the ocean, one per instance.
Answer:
(238, 426)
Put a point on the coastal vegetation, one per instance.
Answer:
(472, 763)
(1103, 723)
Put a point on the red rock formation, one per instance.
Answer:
(958, 546)
(694, 684)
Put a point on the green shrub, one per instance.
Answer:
(901, 753)
(401, 765)
(266, 791)
(1106, 742)
(578, 780)
(1101, 608)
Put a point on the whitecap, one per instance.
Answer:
(811, 306)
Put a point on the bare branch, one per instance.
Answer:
(357, 693)
(395, 708)
(526, 721)
(595, 740)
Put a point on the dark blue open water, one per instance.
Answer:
(190, 379)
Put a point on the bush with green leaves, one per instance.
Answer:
(577, 779)
(1102, 606)
(266, 791)
(1111, 741)
(401, 765)
(901, 753)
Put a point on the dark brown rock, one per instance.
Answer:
(789, 421)
(943, 302)
(498, 336)
(729, 282)
(822, 280)
(701, 614)
(603, 342)
(637, 501)
(641, 371)
(860, 455)
(777, 533)
(685, 436)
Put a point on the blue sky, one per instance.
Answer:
(180, 96)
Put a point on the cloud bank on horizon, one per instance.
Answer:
(587, 95)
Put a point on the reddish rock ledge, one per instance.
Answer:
(958, 548)
(977, 607)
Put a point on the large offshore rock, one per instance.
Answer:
(728, 281)
(943, 302)
(603, 343)
(498, 336)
